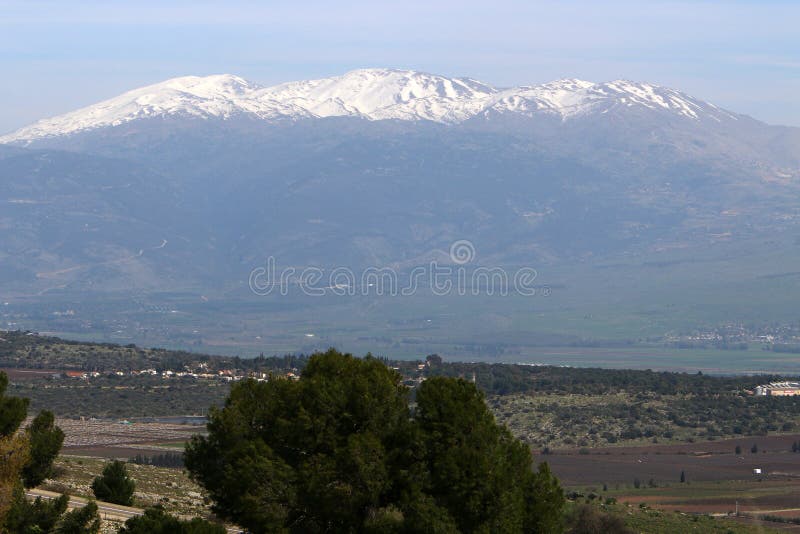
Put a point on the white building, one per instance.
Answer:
(778, 389)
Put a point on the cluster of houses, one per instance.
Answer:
(227, 375)
(732, 333)
(413, 373)
(778, 389)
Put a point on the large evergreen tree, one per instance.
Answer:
(479, 472)
(340, 450)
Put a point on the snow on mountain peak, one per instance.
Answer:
(373, 94)
(385, 94)
(208, 86)
(210, 96)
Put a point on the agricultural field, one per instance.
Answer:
(122, 439)
(715, 478)
(646, 519)
(662, 465)
(767, 496)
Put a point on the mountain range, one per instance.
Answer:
(373, 94)
(192, 182)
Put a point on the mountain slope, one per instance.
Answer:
(85, 221)
(382, 167)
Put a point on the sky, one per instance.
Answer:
(56, 56)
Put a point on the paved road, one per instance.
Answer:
(106, 510)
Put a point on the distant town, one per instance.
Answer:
(201, 371)
(413, 373)
(779, 337)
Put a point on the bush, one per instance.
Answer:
(39, 515)
(80, 521)
(114, 485)
(156, 521)
(587, 519)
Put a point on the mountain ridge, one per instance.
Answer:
(371, 94)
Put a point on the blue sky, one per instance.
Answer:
(60, 55)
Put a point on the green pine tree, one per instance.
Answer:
(45, 440)
(84, 520)
(114, 485)
(156, 521)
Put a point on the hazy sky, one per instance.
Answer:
(60, 55)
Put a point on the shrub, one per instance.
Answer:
(114, 485)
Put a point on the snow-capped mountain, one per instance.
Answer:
(372, 94)
(377, 94)
(557, 170)
(184, 187)
(571, 98)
